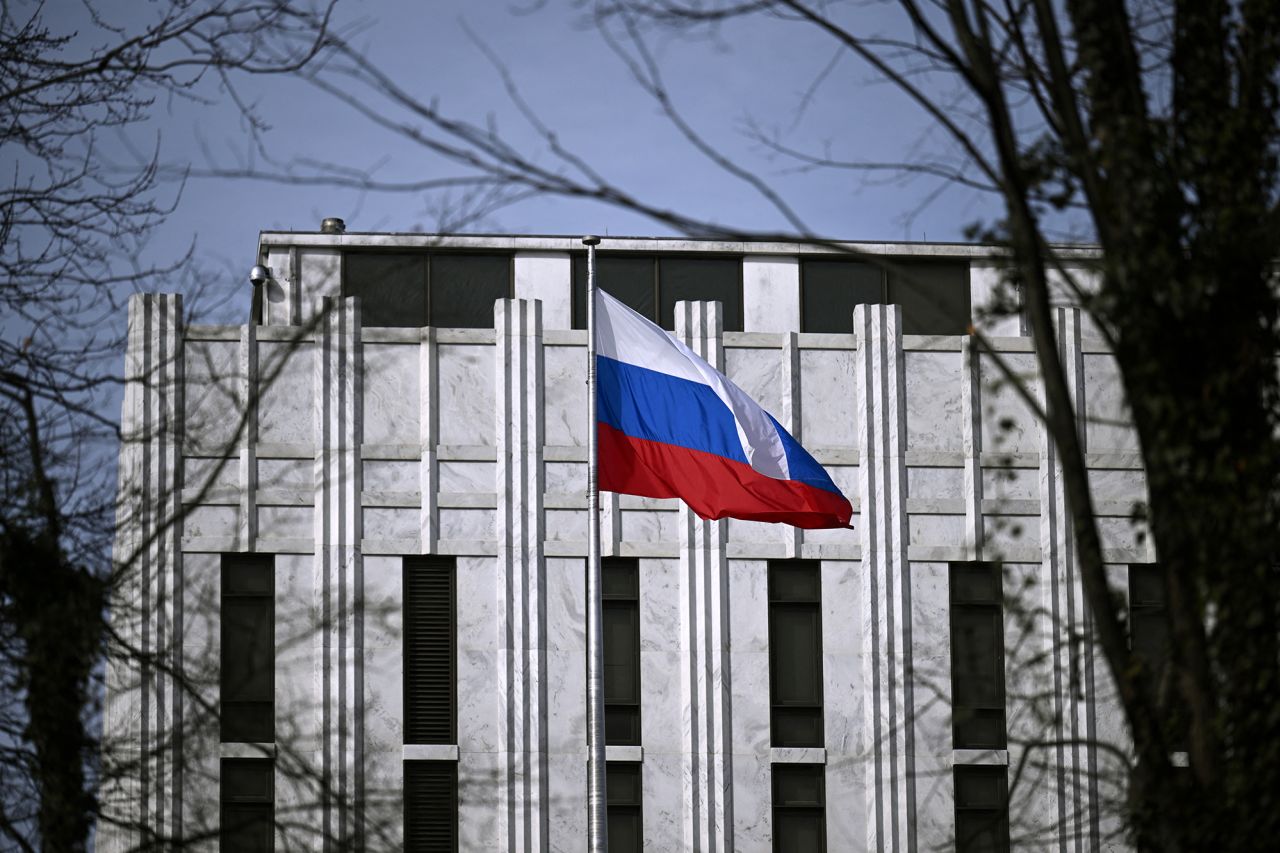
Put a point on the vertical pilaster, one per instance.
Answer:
(145, 700)
(971, 417)
(704, 625)
(1069, 636)
(339, 573)
(523, 806)
(790, 414)
(887, 673)
(248, 463)
(428, 434)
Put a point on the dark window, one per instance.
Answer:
(1148, 619)
(799, 821)
(412, 290)
(982, 810)
(795, 652)
(623, 790)
(652, 286)
(620, 594)
(247, 675)
(247, 793)
(977, 656)
(934, 295)
(831, 290)
(430, 806)
(430, 697)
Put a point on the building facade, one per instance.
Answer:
(353, 537)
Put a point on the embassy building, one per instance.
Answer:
(353, 535)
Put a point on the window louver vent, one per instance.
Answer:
(429, 664)
(430, 807)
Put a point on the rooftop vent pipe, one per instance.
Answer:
(333, 225)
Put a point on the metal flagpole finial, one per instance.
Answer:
(591, 240)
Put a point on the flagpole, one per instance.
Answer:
(597, 828)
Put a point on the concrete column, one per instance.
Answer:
(338, 567)
(886, 592)
(1074, 777)
(523, 800)
(144, 712)
(704, 626)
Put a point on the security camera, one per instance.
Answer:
(259, 275)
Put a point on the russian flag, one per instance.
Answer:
(671, 426)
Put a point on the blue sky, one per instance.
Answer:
(752, 71)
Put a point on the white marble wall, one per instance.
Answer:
(369, 444)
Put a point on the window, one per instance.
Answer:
(430, 630)
(625, 821)
(620, 602)
(934, 294)
(247, 794)
(430, 806)
(653, 285)
(799, 820)
(1148, 620)
(247, 675)
(977, 656)
(982, 809)
(420, 289)
(795, 653)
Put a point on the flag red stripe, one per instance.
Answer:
(712, 486)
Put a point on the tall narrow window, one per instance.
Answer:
(620, 600)
(1148, 620)
(247, 794)
(247, 675)
(799, 808)
(430, 806)
(982, 809)
(430, 696)
(977, 656)
(626, 826)
(795, 652)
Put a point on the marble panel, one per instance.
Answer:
(750, 702)
(567, 701)
(662, 789)
(545, 276)
(1011, 484)
(383, 602)
(752, 804)
(565, 415)
(392, 522)
(845, 477)
(827, 397)
(478, 704)
(935, 483)
(659, 605)
(469, 525)
(935, 530)
(287, 474)
(391, 388)
(383, 801)
(567, 809)
(841, 607)
(749, 605)
(383, 698)
(759, 373)
(1010, 534)
(987, 296)
(1122, 533)
(286, 377)
(836, 536)
(1107, 419)
(847, 802)
(321, 274)
(771, 293)
(933, 385)
(204, 474)
(1118, 485)
(1008, 426)
(466, 396)
(757, 531)
(568, 525)
(464, 476)
(478, 775)
(935, 806)
(211, 521)
(663, 711)
(649, 525)
(476, 580)
(286, 522)
(391, 476)
(566, 477)
(566, 604)
(297, 635)
(213, 386)
(843, 713)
